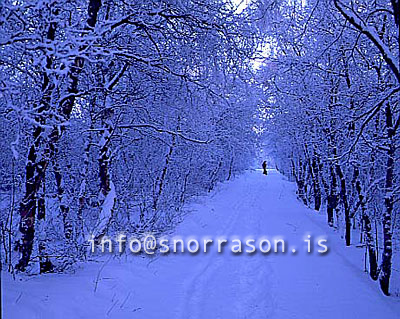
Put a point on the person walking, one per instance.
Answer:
(264, 166)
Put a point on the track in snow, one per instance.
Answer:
(215, 285)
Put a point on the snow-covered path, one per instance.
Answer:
(223, 285)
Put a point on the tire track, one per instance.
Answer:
(247, 278)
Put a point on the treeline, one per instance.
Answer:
(113, 115)
(332, 88)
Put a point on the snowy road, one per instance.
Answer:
(220, 285)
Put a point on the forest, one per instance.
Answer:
(117, 115)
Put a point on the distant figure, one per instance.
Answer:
(264, 166)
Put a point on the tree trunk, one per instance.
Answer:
(366, 227)
(38, 159)
(164, 172)
(369, 240)
(343, 198)
(316, 185)
(107, 195)
(299, 177)
(332, 197)
(386, 265)
(230, 169)
(64, 208)
(35, 168)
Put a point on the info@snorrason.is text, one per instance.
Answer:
(151, 244)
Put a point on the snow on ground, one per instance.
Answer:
(215, 285)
